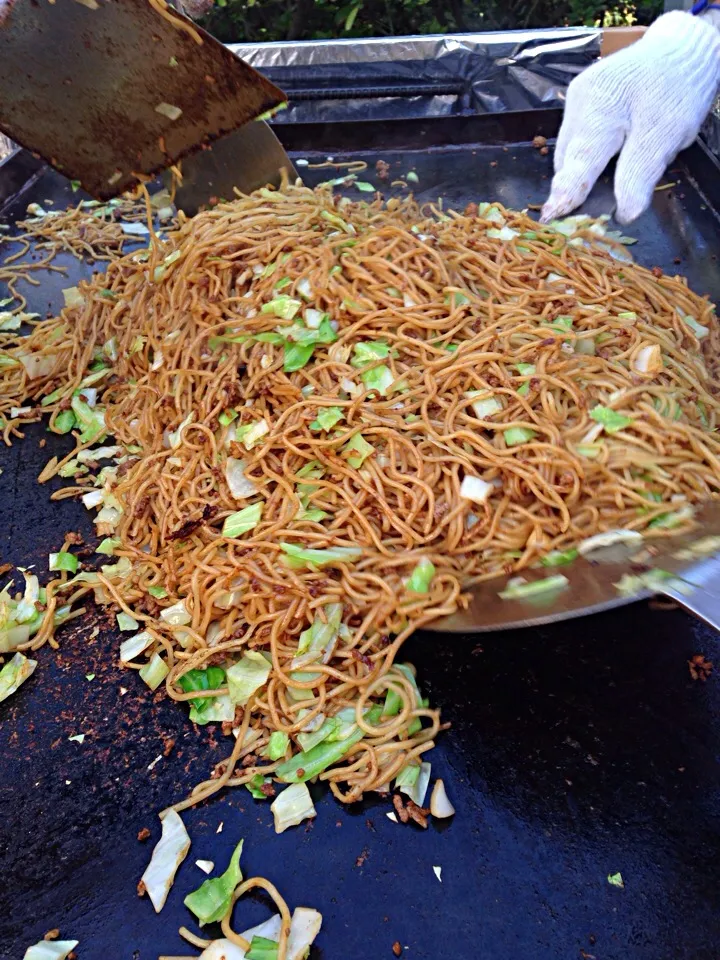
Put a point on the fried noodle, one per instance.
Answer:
(331, 356)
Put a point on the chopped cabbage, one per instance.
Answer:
(50, 950)
(298, 557)
(241, 522)
(611, 420)
(246, 676)
(213, 898)
(519, 589)
(319, 640)
(167, 856)
(134, 646)
(278, 744)
(177, 615)
(240, 486)
(292, 806)
(154, 671)
(476, 489)
(249, 434)
(421, 577)
(326, 418)
(14, 673)
(63, 561)
(517, 435)
(417, 788)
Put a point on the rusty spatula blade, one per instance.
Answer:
(109, 89)
(245, 159)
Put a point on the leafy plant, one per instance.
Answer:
(263, 20)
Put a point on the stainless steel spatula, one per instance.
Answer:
(608, 578)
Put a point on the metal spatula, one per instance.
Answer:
(693, 559)
(109, 92)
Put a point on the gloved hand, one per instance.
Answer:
(648, 101)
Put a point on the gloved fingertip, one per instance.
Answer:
(640, 166)
(548, 213)
(569, 189)
(630, 210)
(633, 199)
(556, 206)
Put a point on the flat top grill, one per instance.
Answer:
(576, 751)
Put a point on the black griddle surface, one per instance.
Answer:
(576, 751)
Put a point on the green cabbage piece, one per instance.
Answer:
(246, 676)
(278, 744)
(327, 418)
(254, 786)
(320, 638)
(517, 435)
(63, 561)
(154, 671)
(261, 948)
(282, 306)
(611, 420)
(298, 557)
(421, 577)
(213, 898)
(519, 591)
(241, 522)
(210, 678)
(14, 673)
(357, 450)
(310, 763)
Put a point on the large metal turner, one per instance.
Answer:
(109, 92)
(693, 558)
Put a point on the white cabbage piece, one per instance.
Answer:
(292, 806)
(167, 856)
(50, 950)
(304, 927)
(14, 673)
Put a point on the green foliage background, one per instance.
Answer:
(258, 20)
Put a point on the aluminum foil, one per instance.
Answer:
(428, 76)
(710, 132)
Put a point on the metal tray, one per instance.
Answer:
(577, 751)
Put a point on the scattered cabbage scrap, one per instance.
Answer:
(608, 538)
(212, 900)
(413, 781)
(166, 858)
(475, 489)
(319, 640)
(15, 673)
(304, 928)
(226, 949)
(519, 589)
(154, 671)
(421, 577)
(19, 620)
(440, 806)
(50, 950)
(292, 806)
(611, 420)
(631, 584)
(240, 486)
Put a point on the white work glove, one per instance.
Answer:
(647, 101)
